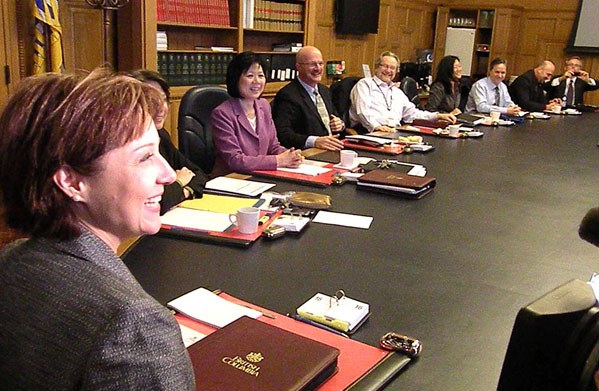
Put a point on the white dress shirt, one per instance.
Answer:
(375, 103)
(482, 97)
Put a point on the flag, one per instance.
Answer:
(47, 45)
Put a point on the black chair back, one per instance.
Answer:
(409, 86)
(195, 130)
(340, 92)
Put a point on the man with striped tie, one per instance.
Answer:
(573, 83)
(491, 94)
(303, 110)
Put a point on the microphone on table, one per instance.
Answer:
(589, 227)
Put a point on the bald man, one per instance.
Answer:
(529, 89)
(303, 111)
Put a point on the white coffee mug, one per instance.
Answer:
(495, 116)
(246, 219)
(347, 158)
(454, 130)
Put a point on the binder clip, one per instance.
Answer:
(409, 346)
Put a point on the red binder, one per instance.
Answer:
(231, 236)
(394, 149)
(321, 180)
(357, 361)
(428, 132)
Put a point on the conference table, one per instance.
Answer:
(451, 269)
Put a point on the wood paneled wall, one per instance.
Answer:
(407, 25)
(404, 26)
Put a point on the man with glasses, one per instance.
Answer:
(571, 86)
(378, 104)
(303, 111)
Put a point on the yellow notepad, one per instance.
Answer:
(339, 312)
(219, 203)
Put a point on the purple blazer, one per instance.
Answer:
(238, 147)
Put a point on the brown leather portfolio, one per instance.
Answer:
(251, 355)
(390, 178)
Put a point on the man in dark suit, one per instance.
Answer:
(571, 86)
(529, 90)
(303, 111)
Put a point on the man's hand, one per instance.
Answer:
(447, 117)
(384, 128)
(513, 110)
(336, 124)
(583, 75)
(332, 143)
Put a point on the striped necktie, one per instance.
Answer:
(570, 93)
(497, 96)
(322, 111)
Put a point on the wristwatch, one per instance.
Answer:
(192, 193)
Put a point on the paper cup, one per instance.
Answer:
(246, 219)
(495, 116)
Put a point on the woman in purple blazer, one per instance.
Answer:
(244, 132)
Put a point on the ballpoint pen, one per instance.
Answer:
(315, 324)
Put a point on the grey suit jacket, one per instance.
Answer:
(72, 316)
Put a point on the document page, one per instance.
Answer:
(207, 307)
(196, 219)
(238, 186)
(346, 220)
(306, 169)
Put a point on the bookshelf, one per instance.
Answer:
(193, 28)
(139, 22)
(493, 29)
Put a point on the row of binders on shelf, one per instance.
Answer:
(184, 69)
(273, 15)
(206, 12)
(193, 68)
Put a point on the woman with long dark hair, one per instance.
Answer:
(445, 94)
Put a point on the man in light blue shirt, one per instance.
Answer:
(491, 94)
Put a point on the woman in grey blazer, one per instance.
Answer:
(81, 173)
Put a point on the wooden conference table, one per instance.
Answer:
(451, 269)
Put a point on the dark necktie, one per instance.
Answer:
(497, 96)
(322, 111)
(570, 93)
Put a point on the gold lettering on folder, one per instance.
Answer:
(246, 365)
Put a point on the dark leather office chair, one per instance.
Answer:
(195, 131)
(340, 92)
(409, 86)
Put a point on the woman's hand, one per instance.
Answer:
(290, 158)
(184, 176)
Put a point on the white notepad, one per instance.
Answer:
(207, 307)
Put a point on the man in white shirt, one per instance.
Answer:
(491, 94)
(378, 104)
(571, 86)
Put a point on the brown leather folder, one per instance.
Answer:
(397, 179)
(251, 355)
